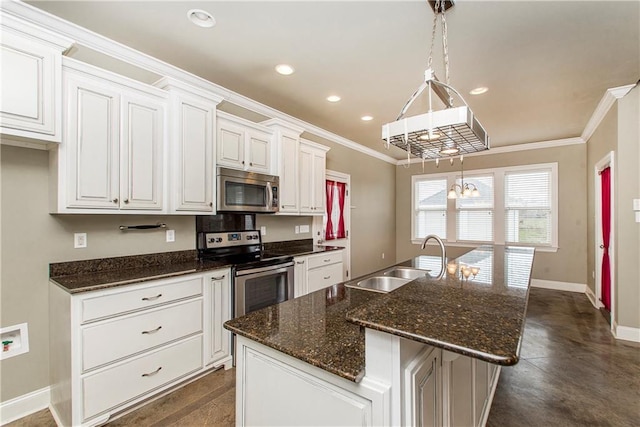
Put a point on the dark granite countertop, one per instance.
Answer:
(103, 273)
(481, 316)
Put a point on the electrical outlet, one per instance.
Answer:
(263, 230)
(79, 240)
(297, 229)
(171, 235)
(304, 228)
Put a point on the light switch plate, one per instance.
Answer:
(636, 204)
(304, 228)
(263, 230)
(637, 216)
(297, 229)
(171, 235)
(79, 240)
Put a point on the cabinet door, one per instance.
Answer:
(218, 311)
(306, 181)
(319, 166)
(92, 140)
(320, 278)
(141, 153)
(194, 169)
(258, 152)
(230, 145)
(422, 384)
(289, 179)
(28, 104)
(300, 277)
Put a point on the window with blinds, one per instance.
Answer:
(474, 215)
(528, 207)
(430, 202)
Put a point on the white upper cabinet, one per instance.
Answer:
(114, 141)
(313, 159)
(287, 141)
(244, 145)
(30, 65)
(192, 152)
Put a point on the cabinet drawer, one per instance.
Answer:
(325, 259)
(321, 278)
(110, 388)
(114, 339)
(137, 299)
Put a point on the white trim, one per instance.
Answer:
(27, 404)
(592, 297)
(559, 286)
(626, 333)
(513, 148)
(607, 101)
(124, 53)
(607, 161)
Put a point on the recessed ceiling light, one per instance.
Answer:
(284, 69)
(201, 18)
(367, 118)
(333, 98)
(479, 90)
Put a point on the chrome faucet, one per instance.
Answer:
(442, 250)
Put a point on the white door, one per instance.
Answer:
(93, 129)
(321, 223)
(141, 153)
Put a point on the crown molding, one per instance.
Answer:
(129, 55)
(610, 97)
(512, 149)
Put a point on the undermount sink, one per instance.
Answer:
(406, 273)
(381, 283)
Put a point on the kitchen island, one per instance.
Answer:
(427, 353)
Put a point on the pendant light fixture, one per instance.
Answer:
(437, 134)
(464, 189)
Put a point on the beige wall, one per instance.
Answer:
(603, 140)
(282, 227)
(568, 264)
(627, 230)
(373, 220)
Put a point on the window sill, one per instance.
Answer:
(475, 245)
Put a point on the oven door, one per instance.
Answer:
(246, 195)
(261, 287)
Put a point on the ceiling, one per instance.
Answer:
(546, 64)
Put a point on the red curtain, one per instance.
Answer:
(605, 179)
(329, 233)
(341, 187)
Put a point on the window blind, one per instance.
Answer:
(528, 207)
(475, 214)
(430, 208)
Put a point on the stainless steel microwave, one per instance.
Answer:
(240, 191)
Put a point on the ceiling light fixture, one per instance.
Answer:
(285, 69)
(333, 98)
(464, 189)
(479, 90)
(201, 18)
(366, 118)
(460, 132)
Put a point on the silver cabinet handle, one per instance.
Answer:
(151, 331)
(150, 374)
(219, 278)
(300, 262)
(327, 277)
(151, 298)
(327, 260)
(126, 201)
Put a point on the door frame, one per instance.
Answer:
(318, 222)
(606, 161)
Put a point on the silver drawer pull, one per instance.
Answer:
(152, 331)
(219, 278)
(327, 260)
(150, 374)
(327, 277)
(151, 298)
(300, 262)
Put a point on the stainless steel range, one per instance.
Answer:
(260, 279)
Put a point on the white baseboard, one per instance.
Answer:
(24, 405)
(591, 296)
(559, 286)
(627, 333)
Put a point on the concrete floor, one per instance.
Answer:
(571, 373)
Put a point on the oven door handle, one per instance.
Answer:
(280, 268)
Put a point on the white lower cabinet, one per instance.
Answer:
(319, 271)
(113, 349)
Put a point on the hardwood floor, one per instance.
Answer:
(571, 373)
